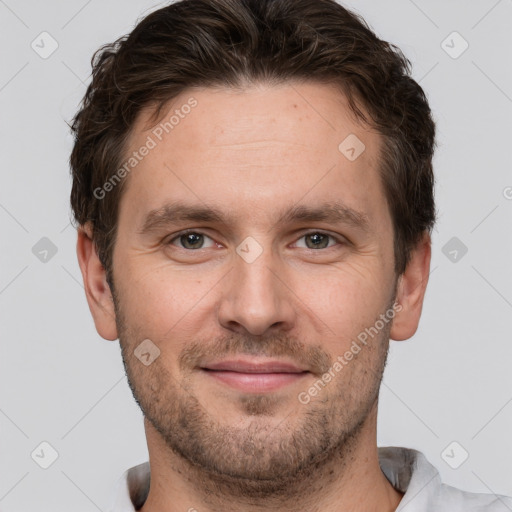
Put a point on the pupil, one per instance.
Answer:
(192, 239)
(317, 239)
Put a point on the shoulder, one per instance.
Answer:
(132, 489)
(456, 500)
(410, 472)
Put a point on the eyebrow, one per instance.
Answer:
(178, 211)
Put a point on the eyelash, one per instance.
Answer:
(313, 232)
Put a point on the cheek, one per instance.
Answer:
(150, 301)
(165, 305)
(351, 299)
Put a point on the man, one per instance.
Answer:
(253, 188)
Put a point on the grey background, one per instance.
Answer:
(61, 383)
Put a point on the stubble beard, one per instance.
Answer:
(267, 459)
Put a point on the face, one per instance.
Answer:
(253, 253)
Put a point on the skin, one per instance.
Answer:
(253, 153)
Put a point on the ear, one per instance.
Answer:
(411, 291)
(97, 290)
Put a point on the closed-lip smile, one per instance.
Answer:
(254, 375)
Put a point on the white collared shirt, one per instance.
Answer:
(406, 469)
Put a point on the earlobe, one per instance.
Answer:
(411, 289)
(97, 290)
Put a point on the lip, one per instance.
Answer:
(254, 366)
(254, 376)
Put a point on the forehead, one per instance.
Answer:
(228, 115)
(256, 147)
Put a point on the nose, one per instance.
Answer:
(257, 297)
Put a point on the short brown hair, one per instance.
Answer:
(208, 43)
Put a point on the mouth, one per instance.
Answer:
(254, 376)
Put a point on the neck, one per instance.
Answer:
(350, 480)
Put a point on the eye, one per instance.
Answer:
(195, 240)
(191, 240)
(318, 240)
